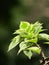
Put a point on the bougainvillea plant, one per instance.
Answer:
(27, 38)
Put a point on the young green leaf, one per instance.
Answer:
(24, 25)
(30, 35)
(44, 36)
(15, 42)
(34, 49)
(46, 42)
(37, 27)
(28, 54)
(20, 31)
(17, 32)
(32, 40)
(22, 46)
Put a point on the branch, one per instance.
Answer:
(44, 60)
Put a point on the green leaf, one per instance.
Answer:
(24, 25)
(30, 35)
(46, 42)
(28, 54)
(35, 49)
(22, 46)
(32, 40)
(31, 28)
(15, 42)
(44, 36)
(17, 32)
(20, 31)
(38, 27)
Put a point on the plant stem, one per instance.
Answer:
(43, 57)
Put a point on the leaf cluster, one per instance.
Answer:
(28, 37)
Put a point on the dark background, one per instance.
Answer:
(11, 13)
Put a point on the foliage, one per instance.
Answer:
(27, 38)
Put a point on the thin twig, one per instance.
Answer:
(44, 59)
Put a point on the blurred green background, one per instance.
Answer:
(11, 13)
